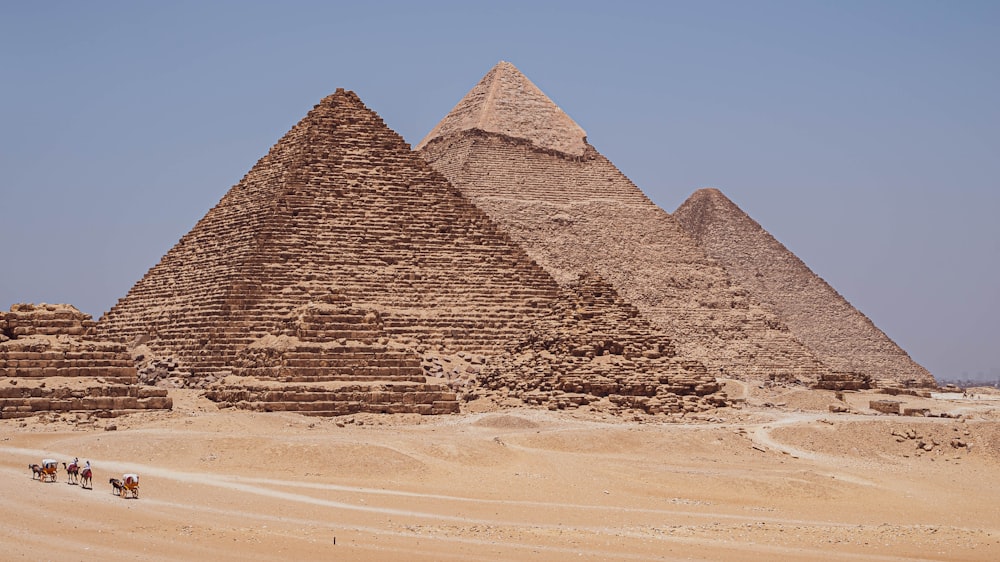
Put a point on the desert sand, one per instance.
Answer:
(778, 477)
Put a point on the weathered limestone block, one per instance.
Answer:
(843, 381)
(885, 406)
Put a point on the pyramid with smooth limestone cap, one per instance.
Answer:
(505, 102)
(574, 211)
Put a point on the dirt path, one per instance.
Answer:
(529, 485)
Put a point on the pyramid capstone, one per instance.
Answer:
(505, 102)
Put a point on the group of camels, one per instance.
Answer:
(127, 486)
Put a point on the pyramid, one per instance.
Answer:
(324, 279)
(51, 361)
(840, 335)
(529, 166)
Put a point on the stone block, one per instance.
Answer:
(885, 406)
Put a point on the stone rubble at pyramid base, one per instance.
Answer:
(333, 399)
(596, 348)
(592, 347)
(843, 381)
(659, 403)
(604, 357)
(49, 364)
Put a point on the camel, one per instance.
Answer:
(72, 472)
(87, 478)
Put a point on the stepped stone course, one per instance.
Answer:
(340, 360)
(574, 211)
(838, 333)
(51, 361)
(323, 278)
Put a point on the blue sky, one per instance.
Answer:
(865, 136)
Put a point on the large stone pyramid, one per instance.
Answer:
(526, 163)
(840, 335)
(320, 281)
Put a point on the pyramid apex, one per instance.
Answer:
(341, 94)
(707, 192)
(704, 198)
(507, 103)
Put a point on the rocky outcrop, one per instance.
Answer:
(885, 406)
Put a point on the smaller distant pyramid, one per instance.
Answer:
(840, 335)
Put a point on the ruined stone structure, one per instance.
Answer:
(595, 345)
(840, 335)
(320, 279)
(342, 354)
(50, 361)
(528, 165)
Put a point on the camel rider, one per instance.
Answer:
(86, 467)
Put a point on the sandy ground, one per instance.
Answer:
(777, 478)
